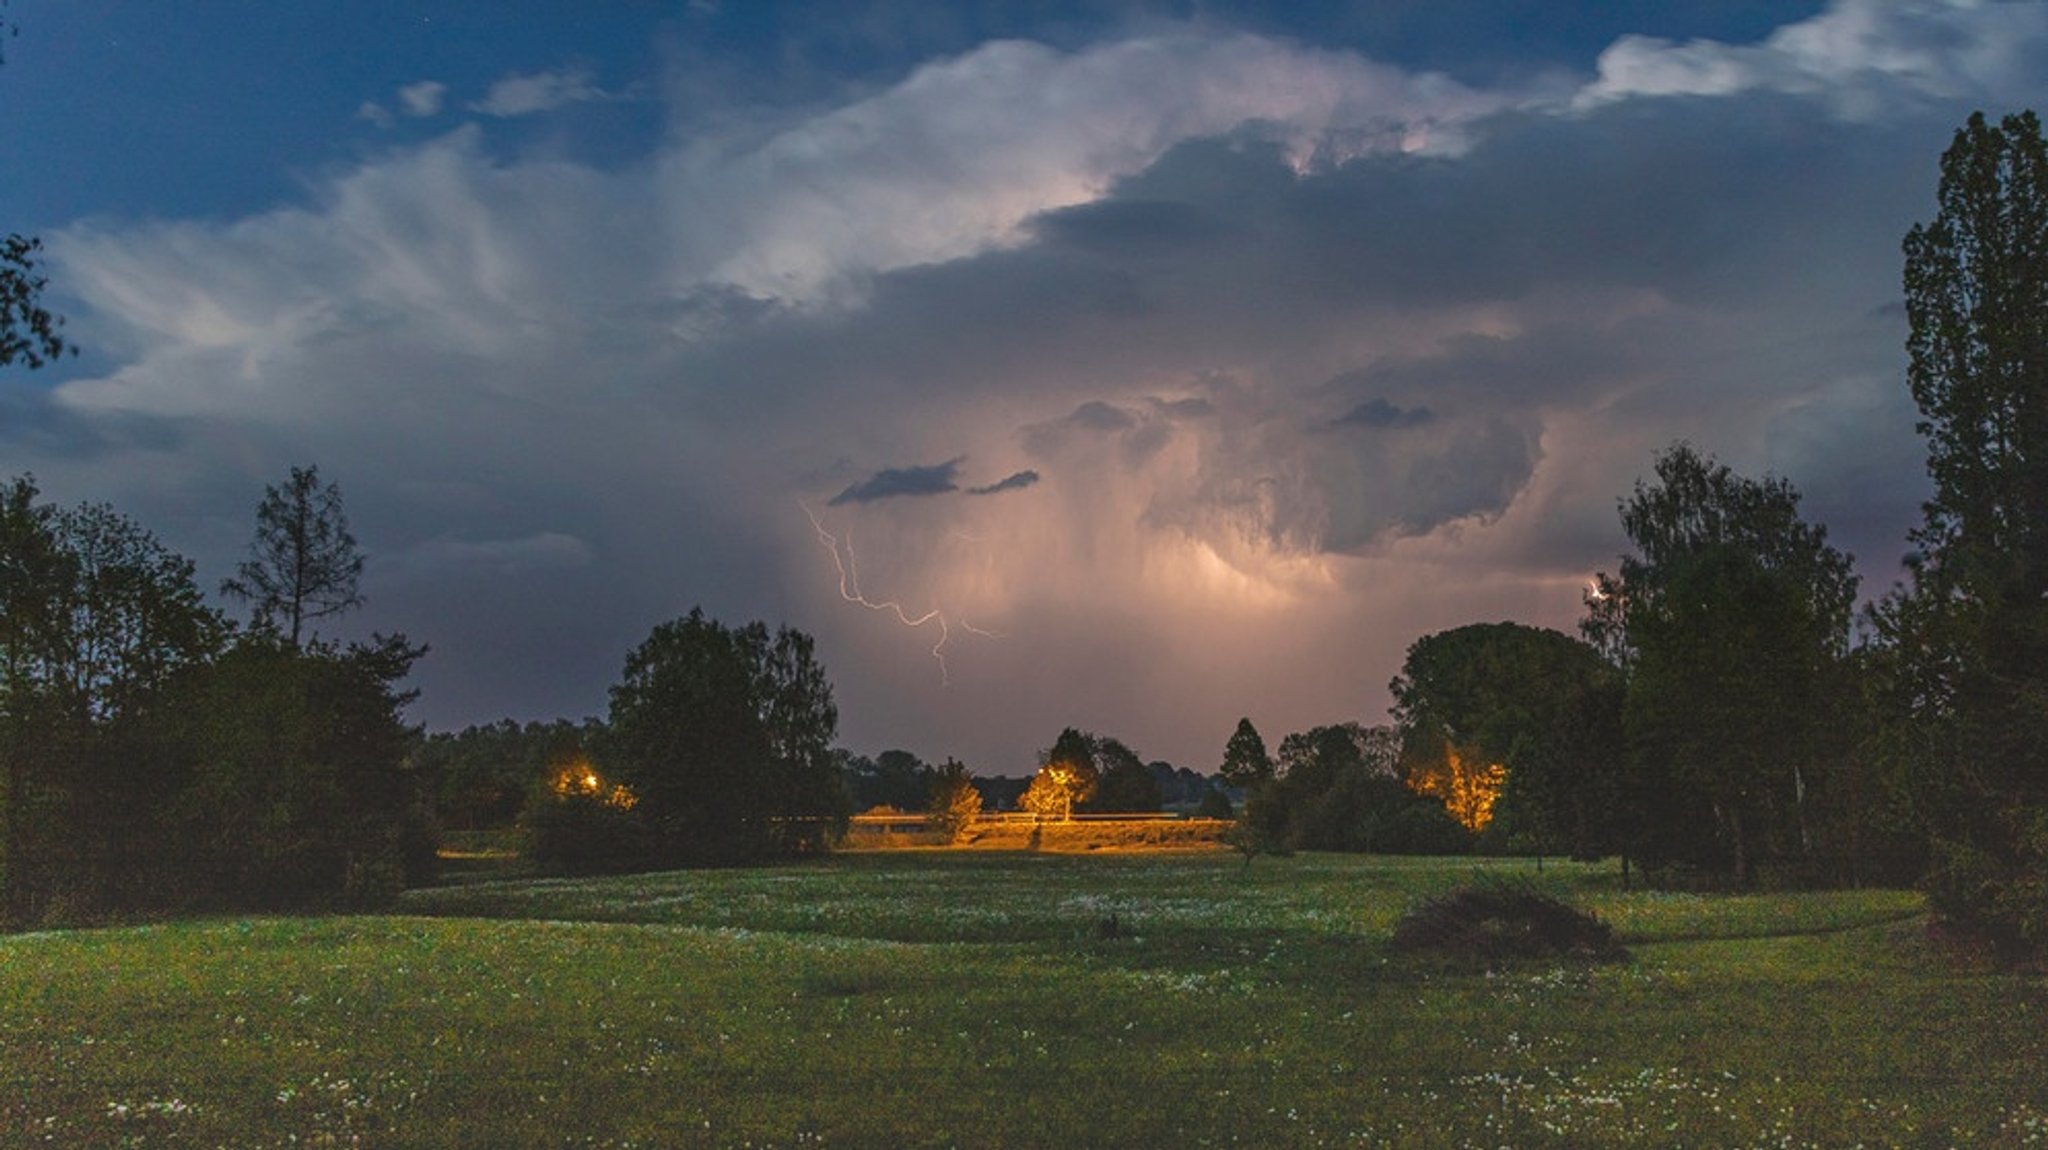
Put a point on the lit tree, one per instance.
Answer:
(1067, 779)
(955, 803)
(1055, 791)
(1521, 714)
(1467, 786)
(304, 565)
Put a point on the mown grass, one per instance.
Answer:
(932, 999)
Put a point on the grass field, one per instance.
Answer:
(975, 999)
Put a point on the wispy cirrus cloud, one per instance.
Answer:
(531, 93)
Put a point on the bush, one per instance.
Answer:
(579, 834)
(1262, 827)
(1999, 898)
(1420, 827)
(1497, 922)
(419, 846)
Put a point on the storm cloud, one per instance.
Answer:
(1301, 355)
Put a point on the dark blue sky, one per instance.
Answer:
(1316, 327)
(135, 108)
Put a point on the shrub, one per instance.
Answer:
(1261, 828)
(577, 834)
(1419, 827)
(2003, 903)
(1495, 922)
(419, 845)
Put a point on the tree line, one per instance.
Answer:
(1726, 716)
(155, 755)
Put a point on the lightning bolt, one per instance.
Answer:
(848, 566)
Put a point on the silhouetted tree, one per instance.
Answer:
(895, 778)
(1215, 805)
(29, 333)
(1127, 785)
(149, 769)
(96, 616)
(1339, 789)
(1262, 827)
(1734, 626)
(1246, 765)
(1179, 787)
(303, 563)
(294, 782)
(1964, 648)
(725, 734)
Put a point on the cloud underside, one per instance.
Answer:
(1294, 343)
(934, 479)
(895, 482)
(1015, 482)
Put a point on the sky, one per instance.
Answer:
(1127, 366)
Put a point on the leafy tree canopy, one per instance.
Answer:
(1733, 614)
(1698, 505)
(726, 733)
(1963, 652)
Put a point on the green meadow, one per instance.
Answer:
(982, 999)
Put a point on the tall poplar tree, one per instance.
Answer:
(1968, 638)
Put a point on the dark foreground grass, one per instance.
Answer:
(962, 1000)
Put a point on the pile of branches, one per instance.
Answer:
(1494, 923)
